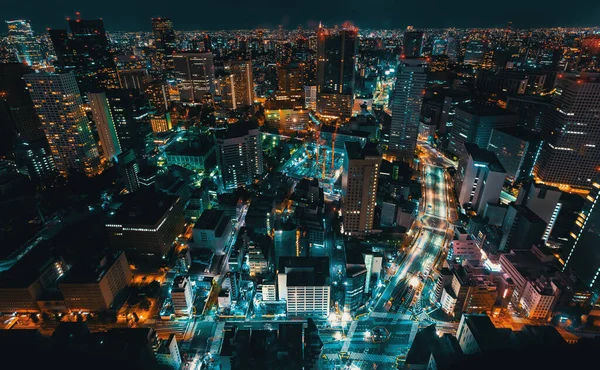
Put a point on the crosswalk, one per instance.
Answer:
(349, 336)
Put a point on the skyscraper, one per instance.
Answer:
(570, 153)
(60, 108)
(336, 58)
(195, 74)
(412, 45)
(239, 154)
(359, 187)
(87, 53)
(290, 86)
(584, 257)
(243, 82)
(406, 109)
(165, 43)
(474, 52)
(22, 39)
(17, 116)
(105, 125)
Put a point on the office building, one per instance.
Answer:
(286, 241)
(35, 160)
(354, 286)
(18, 118)
(517, 150)
(543, 200)
(195, 75)
(92, 286)
(583, 257)
(570, 154)
(60, 109)
(406, 109)
(24, 43)
(469, 291)
(463, 247)
(213, 231)
(182, 295)
(336, 58)
(86, 52)
(146, 224)
(239, 154)
(243, 82)
(310, 97)
(161, 122)
(135, 79)
(479, 179)
(538, 298)
(24, 284)
(476, 334)
(158, 95)
(290, 86)
(165, 44)
(303, 283)
(474, 52)
(359, 187)
(474, 123)
(412, 44)
(439, 47)
(128, 170)
(521, 229)
(529, 109)
(111, 147)
(129, 110)
(168, 353)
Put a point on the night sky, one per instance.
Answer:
(130, 15)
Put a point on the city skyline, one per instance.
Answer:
(270, 14)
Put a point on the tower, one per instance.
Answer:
(165, 44)
(359, 187)
(22, 39)
(570, 153)
(60, 109)
(406, 109)
(195, 74)
(243, 82)
(105, 125)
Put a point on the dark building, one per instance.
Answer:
(412, 45)
(473, 124)
(584, 257)
(165, 44)
(129, 110)
(521, 228)
(529, 109)
(517, 149)
(86, 52)
(17, 115)
(146, 224)
(336, 56)
(195, 74)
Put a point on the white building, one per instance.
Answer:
(479, 178)
(303, 282)
(213, 231)
(182, 295)
(464, 247)
(269, 292)
(168, 353)
(538, 298)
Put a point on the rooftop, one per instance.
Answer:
(144, 207)
(484, 156)
(92, 270)
(483, 110)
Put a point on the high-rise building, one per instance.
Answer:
(128, 170)
(543, 200)
(310, 97)
(239, 154)
(86, 52)
(517, 149)
(473, 124)
(182, 295)
(479, 178)
(35, 160)
(158, 95)
(105, 125)
(290, 86)
(571, 153)
(24, 43)
(406, 109)
(243, 82)
(584, 257)
(165, 44)
(354, 286)
(137, 79)
(412, 45)
(521, 228)
(60, 109)
(359, 187)
(129, 110)
(304, 284)
(336, 58)
(195, 74)
(17, 115)
(474, 52)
